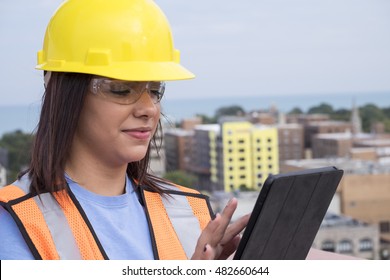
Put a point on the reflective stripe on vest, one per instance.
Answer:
(53, 228)
(176, 219)
(57, 228)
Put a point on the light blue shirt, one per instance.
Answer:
(119, 222)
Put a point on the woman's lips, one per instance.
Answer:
(141, 134)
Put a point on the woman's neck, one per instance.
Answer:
(97, 178)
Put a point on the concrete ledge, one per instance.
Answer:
(315, 254)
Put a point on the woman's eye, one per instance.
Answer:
(120, 92)
(155, 92)
(119, 89)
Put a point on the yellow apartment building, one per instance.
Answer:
(248, 154)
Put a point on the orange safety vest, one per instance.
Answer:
(56, 227)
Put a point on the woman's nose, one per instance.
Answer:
(146, 106)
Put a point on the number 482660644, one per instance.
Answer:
(221, 270)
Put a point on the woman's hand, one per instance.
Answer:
(219, 239)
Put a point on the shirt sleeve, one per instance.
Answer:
(12, 244)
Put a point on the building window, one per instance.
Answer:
(269, 140)
(328, 246)
(384, 226)
(230, 168)
(258, 149)
(230, 150)
(241, 150)
(241, 141)
(231, 177)
(259, 176)
(242, 159)
(365, 245)
(242, 177)
(269, 149)
(242, 167)
(345, 246)
(259, 185)
(230, 142)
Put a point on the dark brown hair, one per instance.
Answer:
(62, 103)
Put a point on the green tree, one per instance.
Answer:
(386, 112)
(181, 178)
(387, 125)
(323, 108)
(233, 110)
(295, 111)
(206, 119)
(370, 114)
(341, 115)
(18, 145)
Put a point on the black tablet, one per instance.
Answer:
(287, 214)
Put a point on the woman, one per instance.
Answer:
(87, 193)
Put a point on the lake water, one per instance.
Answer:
(25, 117)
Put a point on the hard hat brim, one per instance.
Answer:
(131, 71)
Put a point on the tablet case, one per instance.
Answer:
(287, 214)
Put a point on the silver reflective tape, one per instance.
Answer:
(185, 224)
(59, 228)
(23, 183)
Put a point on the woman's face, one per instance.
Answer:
(116, 134)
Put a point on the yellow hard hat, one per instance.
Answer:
(121, 39)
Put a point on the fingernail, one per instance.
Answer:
(230, 201)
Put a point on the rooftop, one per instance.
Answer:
(333, 220)
(350, 166)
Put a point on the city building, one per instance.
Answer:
(206, 156)
(378, 146)
(3, 166)
(356, 121)
(4, 157)
(157, 156)
(290, 141)
(3, 176)
(324, 127)
(347, 236)
(178, 149)
(234, 155)
(347, 144)
(305, 119)
(324, 145)
(189, 124)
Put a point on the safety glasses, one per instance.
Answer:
(126, 92)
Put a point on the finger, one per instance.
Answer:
(207, 235)
(228, 211)
(207, 253)
(215, 230)
(226, 217)
(230, 248)
(235, 228)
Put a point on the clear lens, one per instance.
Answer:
(125, 92)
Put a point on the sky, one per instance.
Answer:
(235, 48)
